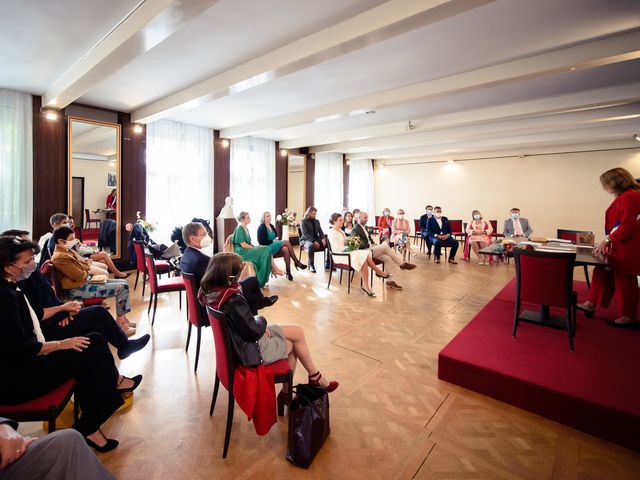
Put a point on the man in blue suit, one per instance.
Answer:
(195, 262)
(424, 220)
(439, 232)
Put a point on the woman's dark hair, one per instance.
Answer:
(224, 268)
(14, 233)
(334, 217)
(10, 248)
(61, 234)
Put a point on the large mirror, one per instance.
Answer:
(94, 183)
(296, 183)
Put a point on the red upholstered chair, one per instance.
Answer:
(49, 271)
(494, 226)
(417, 235)
(88, 220)
(571, 235)
(340, 266)
(457, 230)
(225, 368)
(546, 279)
(162, 266)
(194, 312)
(161, 285)
(45, 408)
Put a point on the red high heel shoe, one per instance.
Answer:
(315, 380)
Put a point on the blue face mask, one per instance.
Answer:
(429, 212)
(515, 215)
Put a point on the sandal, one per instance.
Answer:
(315, 380)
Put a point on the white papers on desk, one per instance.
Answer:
(554, 250)
(533, 244)
(558, 240)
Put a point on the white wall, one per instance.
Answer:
(95, 181)
(552, 191)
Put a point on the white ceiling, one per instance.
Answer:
(471, 75)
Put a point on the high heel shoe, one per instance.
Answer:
(107, 447)
(368, 293)
(315, 380)
(385, 276)
(289, 277)
(301, 266)
(136, 381)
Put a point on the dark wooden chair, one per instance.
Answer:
(572, 236)
(342, 267)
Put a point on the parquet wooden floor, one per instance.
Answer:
(391, 418)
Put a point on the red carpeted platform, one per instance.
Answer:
(594, 389)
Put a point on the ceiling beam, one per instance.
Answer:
(580, 101)
(151, 22)
(613, 49)
(380, 23)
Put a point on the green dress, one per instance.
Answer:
(259, 256)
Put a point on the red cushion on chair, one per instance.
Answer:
(341, 266)
(281, 367)
(55, 398)
(162, 264)
(171, 284)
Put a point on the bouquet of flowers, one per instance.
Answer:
(288, 217)
(148, 226)
(353, 243)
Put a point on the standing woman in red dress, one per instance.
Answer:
(622, 246)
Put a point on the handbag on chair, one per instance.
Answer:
(308, 424)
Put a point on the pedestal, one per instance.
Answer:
(224, 228)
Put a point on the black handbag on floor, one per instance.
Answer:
(308, 424)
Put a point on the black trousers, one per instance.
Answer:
(90, 319)
(450, 242)
(311, 250)
(93, 369)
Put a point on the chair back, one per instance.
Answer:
(494, 225)
(138, 247)
(544, 278)
(571, 235)
(224, 360)
(78, 233)
(151, 270)
(377, 219)
(87, 215)
(194, 311)
(456, 226)
(48, 270)
(416, 225)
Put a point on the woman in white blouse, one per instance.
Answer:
(361, 260)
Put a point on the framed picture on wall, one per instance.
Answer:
(111, 179)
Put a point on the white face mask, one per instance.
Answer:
(205, 242)
(400, 216)
(438, 214)
(476, 217)
(71, 243)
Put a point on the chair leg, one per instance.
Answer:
(195, 368)
(51, 423)
(186, 349)
(144, 283)
(569, 316)
(340, 277)
(180, 299)
(586, 276)
(150, 301)
(349, 281)
(516, 319)
(330, 275)
(216, 386)
(137, 276)
(227, 435)
(155, 305)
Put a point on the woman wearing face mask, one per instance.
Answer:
(622, 246)
(267, 236)
(75, 278)
(479, 235)
(400, 231)
(30, 366)
(385, 226)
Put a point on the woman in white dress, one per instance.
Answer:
(361, 260)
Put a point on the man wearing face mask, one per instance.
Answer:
(424, 220)
(195, 261)
(516, 226)
(440, 234)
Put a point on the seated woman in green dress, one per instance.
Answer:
(260, 256)
(267, 236)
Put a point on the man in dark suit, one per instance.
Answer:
(195, 262)
(439, 232)
(424, 220)
(313, 238)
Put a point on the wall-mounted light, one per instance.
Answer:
(283, 152)
(224, 142)
(348, 162)
(137, 128)
(51, 115)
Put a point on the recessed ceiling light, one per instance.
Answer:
(355, 139)
(327, 117)
(360, 111)
(449, 161)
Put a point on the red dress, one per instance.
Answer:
(385, 227)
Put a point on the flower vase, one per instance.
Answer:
(285, 232)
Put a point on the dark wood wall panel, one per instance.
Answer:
(310, 173)
(282, 180)
(49, 168)
(345, 182)
(221, 177)
(133, 179)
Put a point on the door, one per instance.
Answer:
(77, 201)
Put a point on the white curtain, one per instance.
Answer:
(361, 187)
(328, 188)
(253, 179)
(179, 176)
(16, 161)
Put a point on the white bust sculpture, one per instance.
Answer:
(227, 210)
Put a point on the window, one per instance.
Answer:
(328, 188)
